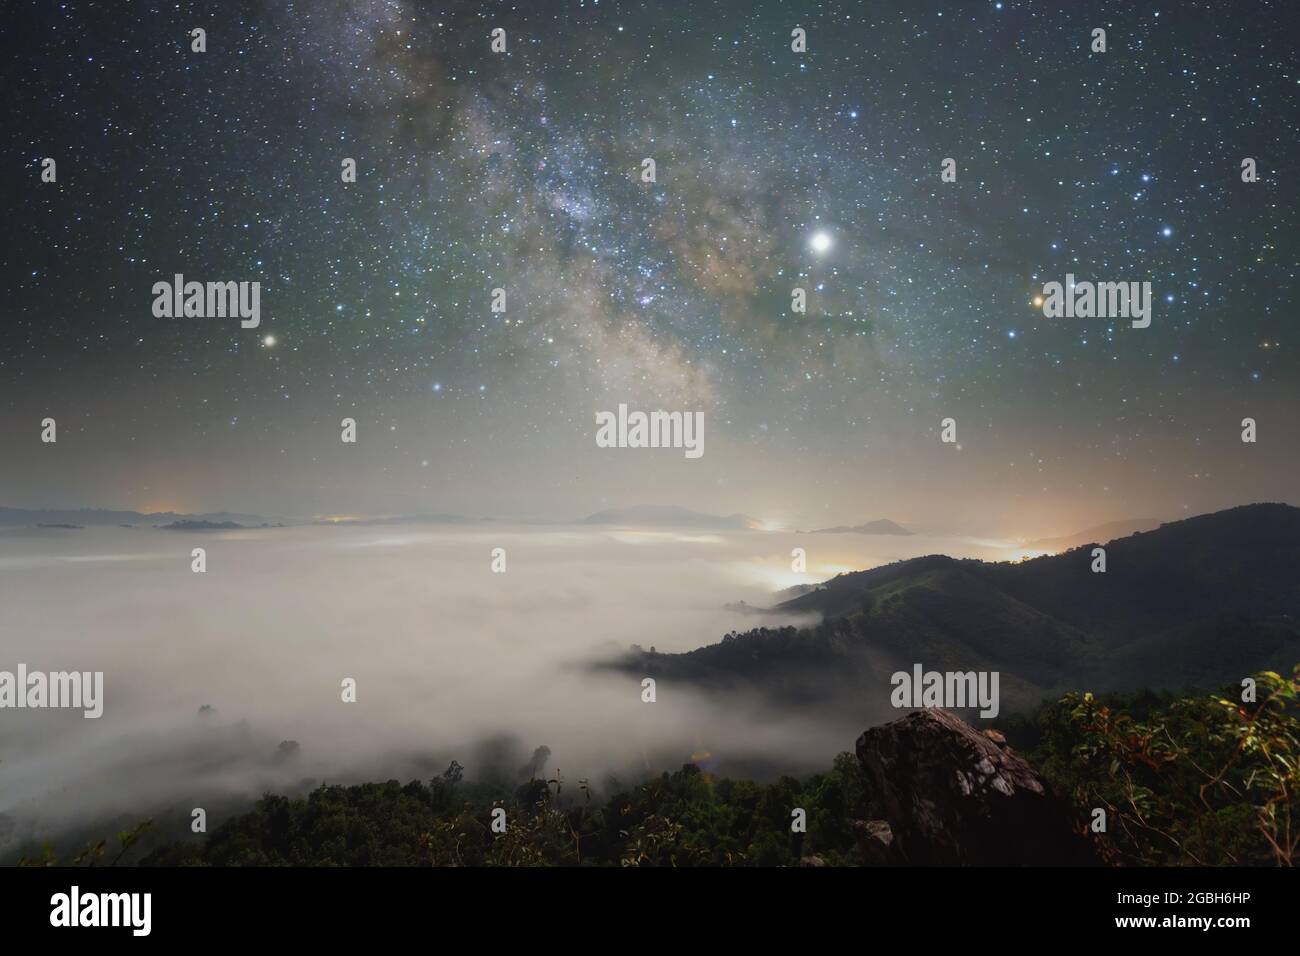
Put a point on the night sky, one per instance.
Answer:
(775, 169)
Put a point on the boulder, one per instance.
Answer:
(957, 797)
(875, 843)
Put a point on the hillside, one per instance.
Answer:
(1194, 603)
(1101, 534)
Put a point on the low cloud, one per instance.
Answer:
(206, 674)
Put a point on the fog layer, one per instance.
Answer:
(206, 674)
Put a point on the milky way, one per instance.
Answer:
(775, 169)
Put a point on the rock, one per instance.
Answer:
(811, 861)
(875, 843)
(958, 797)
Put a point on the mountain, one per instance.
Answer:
(883, 526)
(188, 525)
(797, 590)
(14, 517)
(401, 519)
(1101, 534)
(671, 517)
(643, 516)
(1194, 603)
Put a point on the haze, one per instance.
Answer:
(451, 660)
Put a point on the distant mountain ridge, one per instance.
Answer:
(670, 516)
(881, 526)
(86, 517)
(637, 516)
(189, 525)
(1194, 603)
(1101, 534)
(400, 519)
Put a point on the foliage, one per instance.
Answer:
(1201, 780)
(94, 852)
(687, 818)
(1205, 779)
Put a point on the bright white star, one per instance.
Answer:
(821, 242)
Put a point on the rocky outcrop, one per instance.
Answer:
(875, 843)
(958, 797)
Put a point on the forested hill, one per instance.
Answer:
(1194, 603)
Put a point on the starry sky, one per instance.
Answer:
(775, 169)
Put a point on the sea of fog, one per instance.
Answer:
(205, 675)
